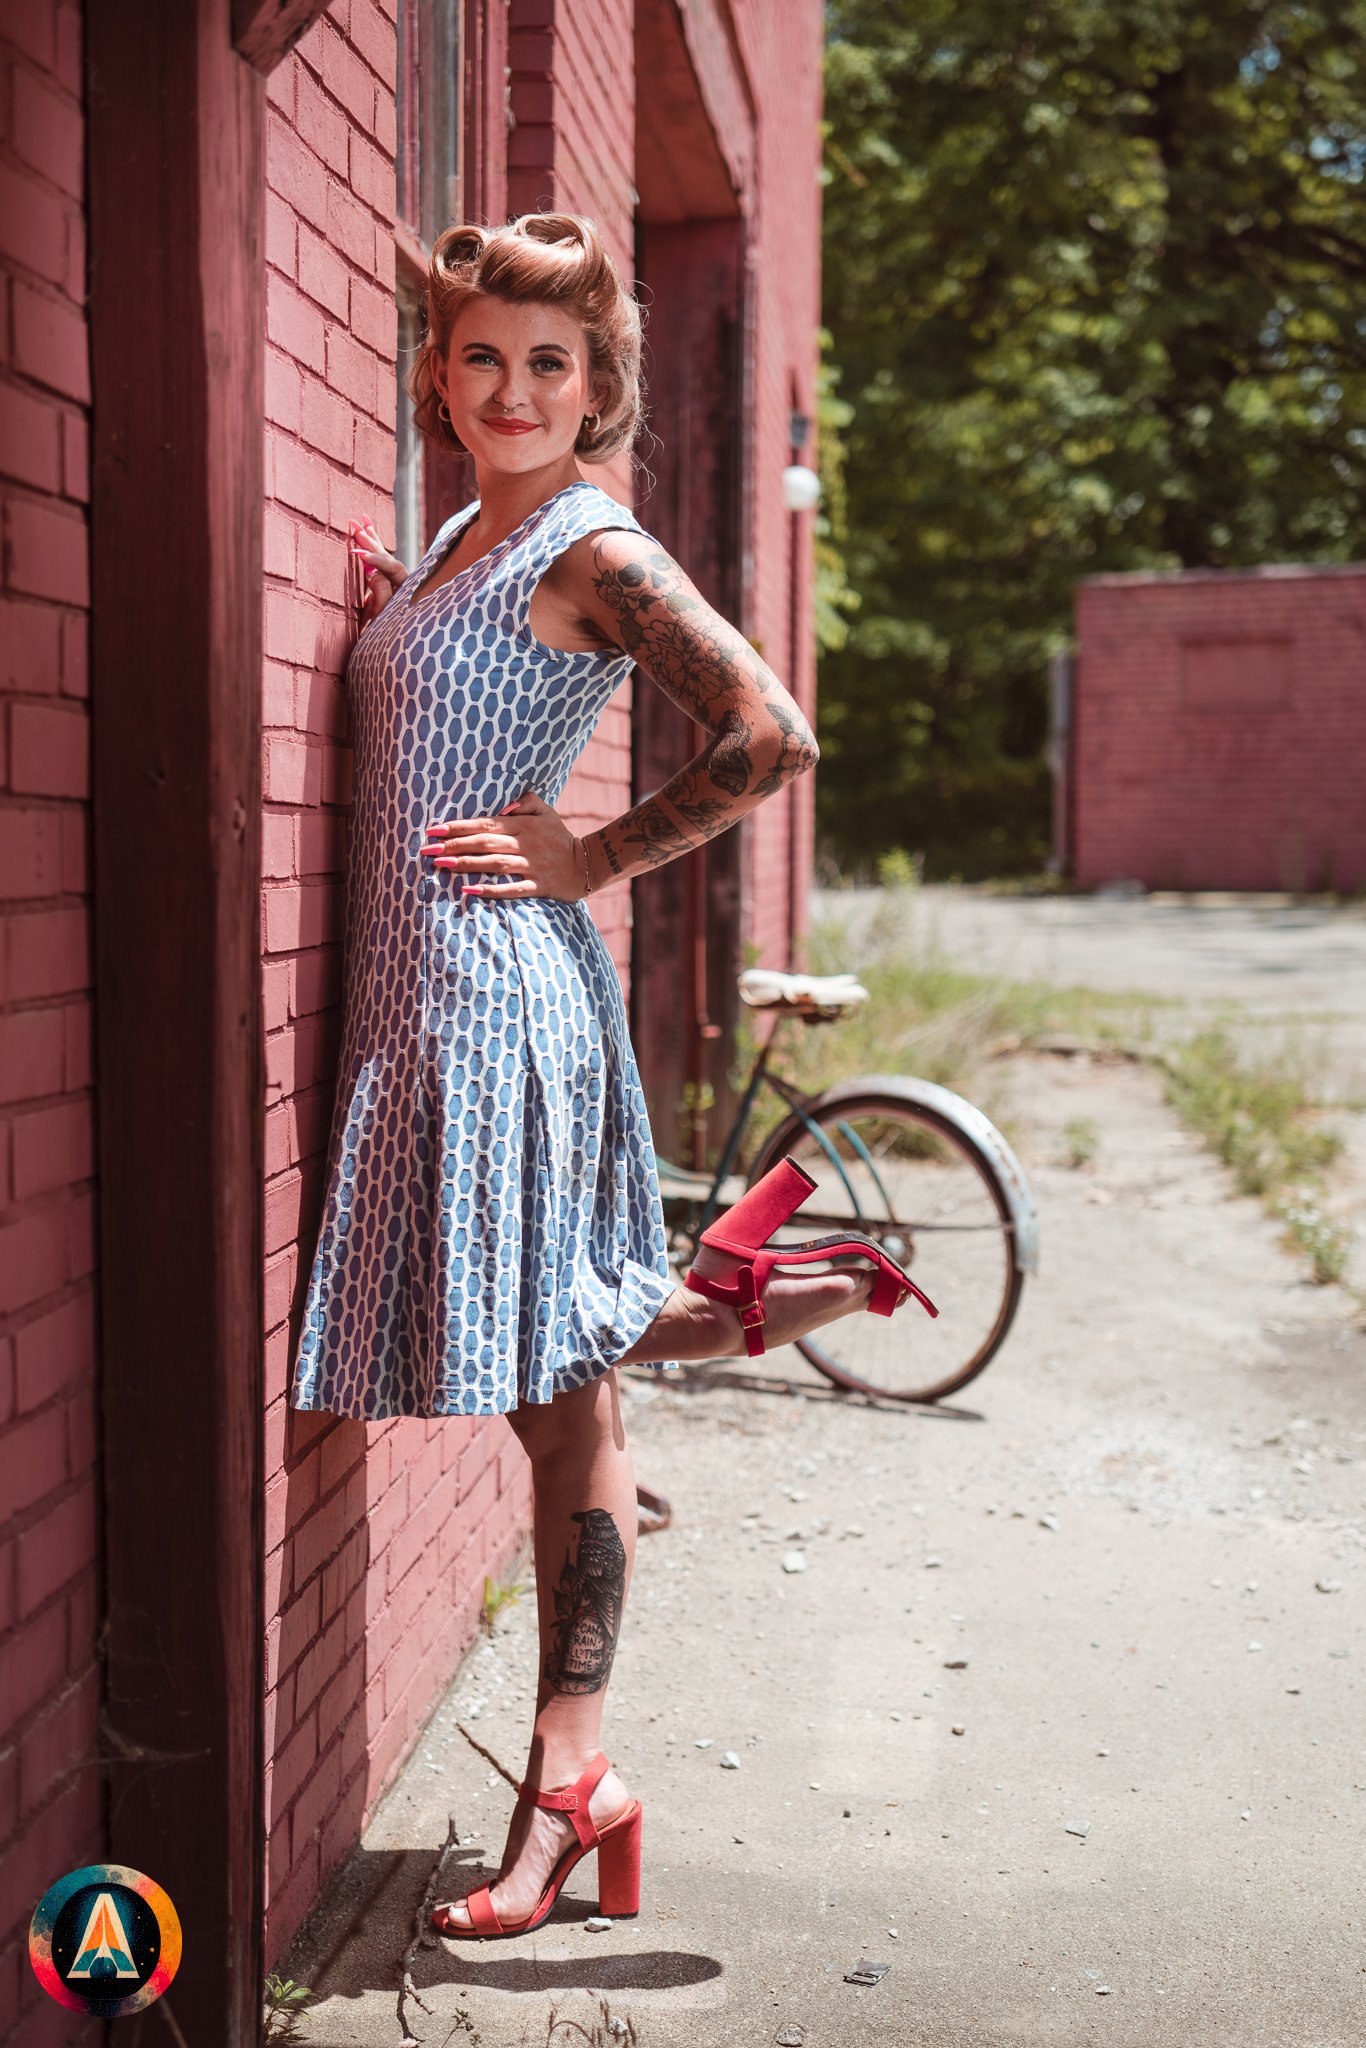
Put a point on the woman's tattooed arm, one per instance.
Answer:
(642, 600)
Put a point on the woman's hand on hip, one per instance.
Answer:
(525, 850)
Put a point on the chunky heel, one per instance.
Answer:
(618, 1850)
(741, 1230)
(619, 1866)
(761, 1209)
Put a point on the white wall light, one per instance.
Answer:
(801, 487)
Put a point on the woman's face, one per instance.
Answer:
(517, 383)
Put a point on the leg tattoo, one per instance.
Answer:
(588, 1604)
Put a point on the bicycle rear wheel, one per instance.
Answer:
(913, 1182)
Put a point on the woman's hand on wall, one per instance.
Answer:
(525, 850)
(382, 571)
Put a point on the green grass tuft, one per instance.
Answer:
(496, 1598)
(285, 2001)
(1262, 1116)
(1259, 1117)
(1081, 1141)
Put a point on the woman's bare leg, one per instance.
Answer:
(584, 1493)
(585, 1535)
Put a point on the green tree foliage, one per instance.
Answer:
(835, 596)
(1096, 282)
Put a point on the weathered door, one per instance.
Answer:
(687, 916)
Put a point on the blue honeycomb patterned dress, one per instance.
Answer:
(491, 1228)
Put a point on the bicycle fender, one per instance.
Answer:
(978, 1129)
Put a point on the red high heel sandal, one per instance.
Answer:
(618, 1847)
(742, 1229)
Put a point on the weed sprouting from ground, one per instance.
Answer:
(1081, 1141)
(497, 1596)
(464, 2025)
(1262, 1117)
(285, 2002)
(1258, 1116)
(1325, 1243)
(606, 2030)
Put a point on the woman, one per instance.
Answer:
(492, 1239)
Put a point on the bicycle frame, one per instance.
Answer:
(975, 1128)
(762, 1073)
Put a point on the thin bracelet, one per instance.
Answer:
(587, 882)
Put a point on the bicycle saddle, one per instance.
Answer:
(764, 988)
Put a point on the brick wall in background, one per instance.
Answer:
(573, 84)
(781, 45)
(1221, 729)
(572, 90)
(49, 1678)
(378, 1536)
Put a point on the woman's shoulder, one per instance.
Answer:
(588, 505)
(596, 531)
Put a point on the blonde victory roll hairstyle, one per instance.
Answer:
(554, 259)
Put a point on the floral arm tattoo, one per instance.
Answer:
(759, 738)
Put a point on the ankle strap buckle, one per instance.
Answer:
(557, 1802)
(752, 1315)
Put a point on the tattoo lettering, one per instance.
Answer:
(588, 1606)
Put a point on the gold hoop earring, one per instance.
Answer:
(443, 411)
(596, 419)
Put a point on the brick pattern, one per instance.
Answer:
(49, 1677)
(780, 44)
(1221, 729)
(378, 1539)
(571, 85)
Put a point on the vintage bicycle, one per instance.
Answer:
(905, 1162)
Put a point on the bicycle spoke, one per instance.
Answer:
(916, 1187)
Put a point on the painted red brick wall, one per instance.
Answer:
(377, 1539)
(572, 89)
(780, 42)
(573, 92)
(379, 1536)
(1221, 729)
(50, 1816)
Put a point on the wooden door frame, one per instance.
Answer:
(688, 917)
(176, 118)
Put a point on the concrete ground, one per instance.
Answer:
(1277, 959)
(1133, 1815)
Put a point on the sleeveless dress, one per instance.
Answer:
(491, 1229)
